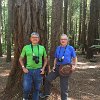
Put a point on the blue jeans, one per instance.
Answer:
(63, 83)
(30, 79)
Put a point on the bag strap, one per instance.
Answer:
(33, 49)
(63, 52)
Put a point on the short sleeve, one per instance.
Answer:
(44, 52)
(23, 52)
(73, 53)
(55, 54)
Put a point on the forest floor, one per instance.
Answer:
(84, 83)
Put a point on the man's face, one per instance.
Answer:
(34, 39)
(63, 40)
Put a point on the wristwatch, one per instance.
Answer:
(23, 66)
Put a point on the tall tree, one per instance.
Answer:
(4, 19)
(93, 26)
(99, 20)
(45, 34)
(70, 21)
(10, 28)
(49, 9)
(80, 22)
(0, 30)
(83, 33)
(56, 25)
(28, 17)
(65, 16)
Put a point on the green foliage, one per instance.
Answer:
(74, 6)
(76, 46)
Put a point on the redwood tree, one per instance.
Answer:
(0, 30)
(93, 26)
(56, 25)
(29, 16)
(80, 22)
(83, 33)
(10, 28)
(65, 16)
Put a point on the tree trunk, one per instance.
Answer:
(65, 16)
(29, 16)
(0, 30)
(83, 34)
(49, 8)
(99, 20)
(10, 28)
(80, 23)
(4, 26)
(45, 36)
(56, 26)
(69, 10)
(93, 26)
(48, 28)
(70, 21)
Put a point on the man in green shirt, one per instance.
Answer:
(33, 68)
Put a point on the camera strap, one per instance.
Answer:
(63, 52)
(33, 49)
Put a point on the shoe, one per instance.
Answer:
(43, 95)
(25, 99)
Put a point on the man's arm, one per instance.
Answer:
(45, 63)
(74, 63)
(48, 65)
(54, 66)
(21, 61)
(55, 61)
(22, 65)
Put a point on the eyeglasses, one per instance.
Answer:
(63, 39)
(35, 37)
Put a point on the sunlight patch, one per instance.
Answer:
(92, 66)
(4, 74)
(71, 99)
(81, 63)
(92, 79)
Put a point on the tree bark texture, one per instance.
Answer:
(80, 22)
(93, 25)
(0, 30)
(29, 16)
(83, 33)
(65, 16)
(56, 26)
(10, 28)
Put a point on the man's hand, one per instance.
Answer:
(49, 71)
(42, 71)
(73, 67)
(74, 63)
(25, 70)
(53, 69)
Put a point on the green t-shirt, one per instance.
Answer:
(29, 54)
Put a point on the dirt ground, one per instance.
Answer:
(4, 72)
(84, 84)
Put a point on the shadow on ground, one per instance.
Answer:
(84, 83)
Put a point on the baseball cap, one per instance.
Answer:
(35, 33)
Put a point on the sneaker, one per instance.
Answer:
(43, 95)
(25, 99)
